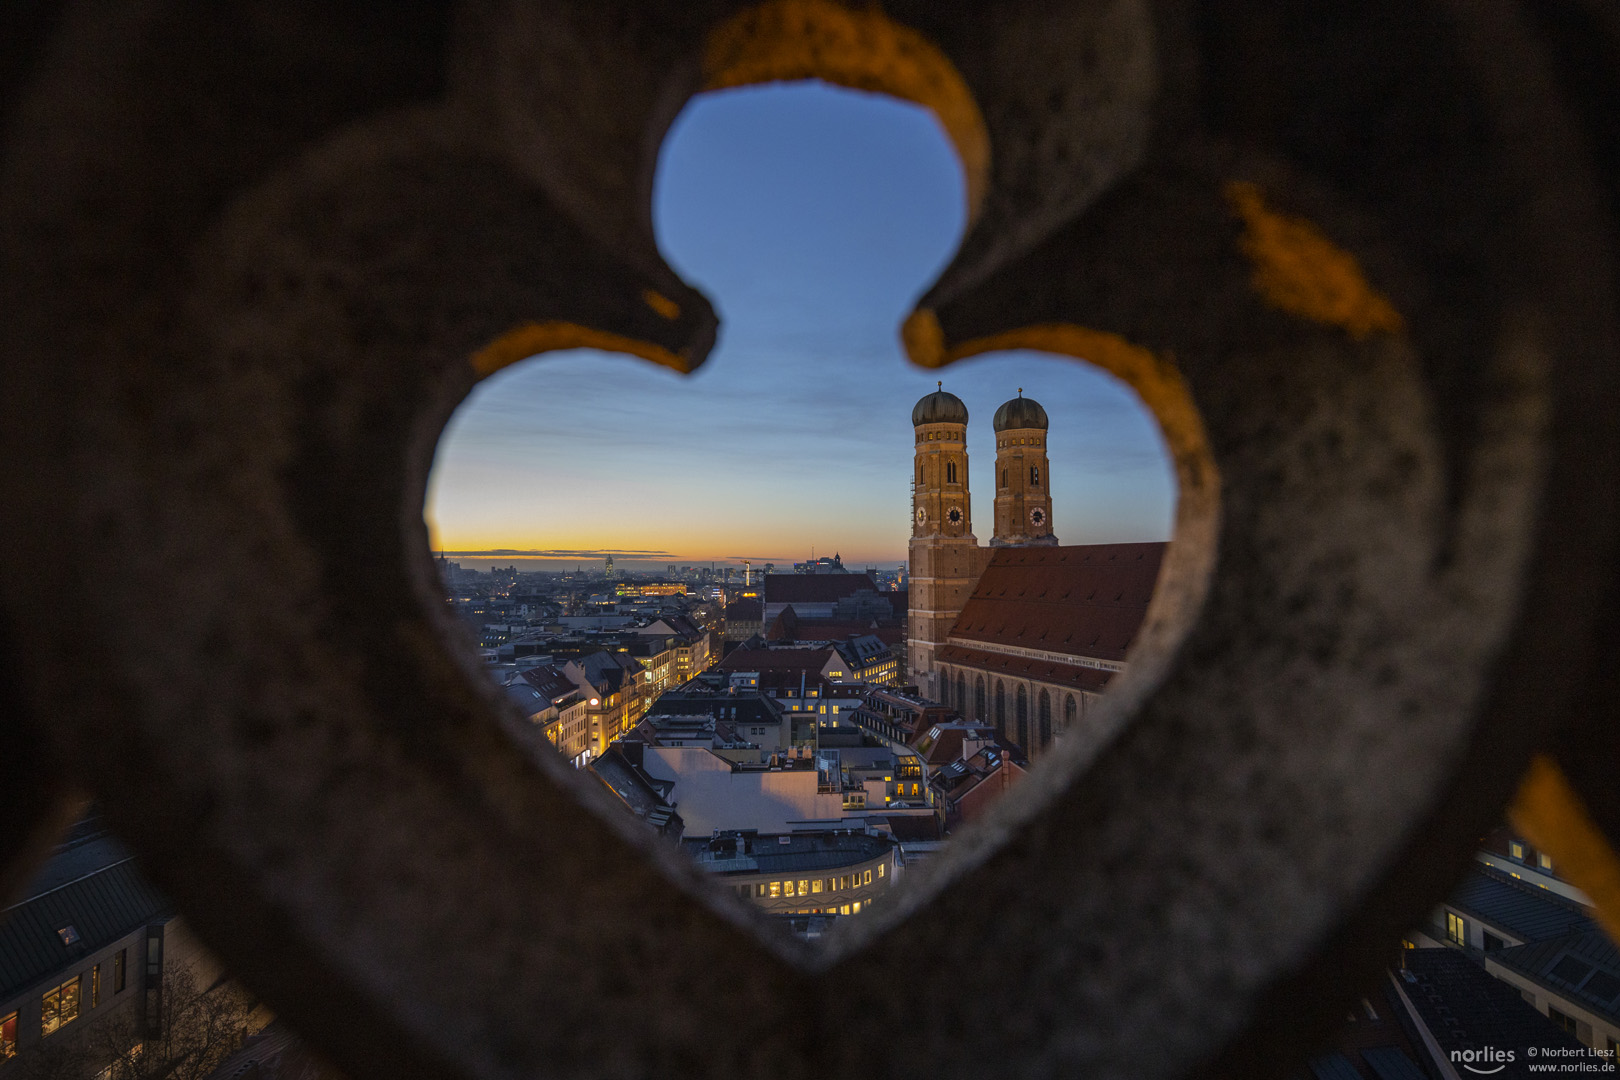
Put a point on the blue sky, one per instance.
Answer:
(812, 217)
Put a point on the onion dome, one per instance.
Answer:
(940, 407)
(1020, 412)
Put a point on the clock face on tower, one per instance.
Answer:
(954, 515)
(922, 515)
(1037, 517)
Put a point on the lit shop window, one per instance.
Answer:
(59, 1006)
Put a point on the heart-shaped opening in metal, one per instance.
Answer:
(812, 757)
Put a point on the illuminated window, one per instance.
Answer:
(804, 888)
(776, 888)
(843, 883)
(867, 880)
(8, 1036)
(1456, 929)
(118, 972)
(855, 908)
(1516, 850)
(759, 889)
(59, 1006)
(843, 909)
(815, 886)
(1544, 860)
(880, 869)
(95, 986)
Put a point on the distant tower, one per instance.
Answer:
(944, 561)
(608, 570)
(1023, 477)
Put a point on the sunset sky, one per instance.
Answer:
(812, 218)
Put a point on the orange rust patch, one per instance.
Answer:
(1297, 269)
(860, 48)
(662, 304)
(533, 338)
(1550, 815)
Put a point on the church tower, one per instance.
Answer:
(1023, 478)
(945, 563)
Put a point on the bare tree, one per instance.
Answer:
(199, 1027)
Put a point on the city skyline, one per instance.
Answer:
(811, 217)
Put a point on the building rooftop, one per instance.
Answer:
(815, 588)
(1583, 967)
(1091, 679)
(95, 889)
(1466, 1008)
(763, 660)
(1080, 601)
(1525, 911)
(750, 853)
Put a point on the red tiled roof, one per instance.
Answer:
(814, 588)
(785, 626)
(1023, 667)
(1084, 601)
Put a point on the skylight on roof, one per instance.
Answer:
(69, 934)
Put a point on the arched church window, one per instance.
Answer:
(1044, 720)
(978, 699)
(1023, 719)
(950, 472)
(961, 693)
(1001, 708)
(1034, 476)
(1071, 712)
(1003, 477)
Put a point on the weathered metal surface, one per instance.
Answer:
(246, 255)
